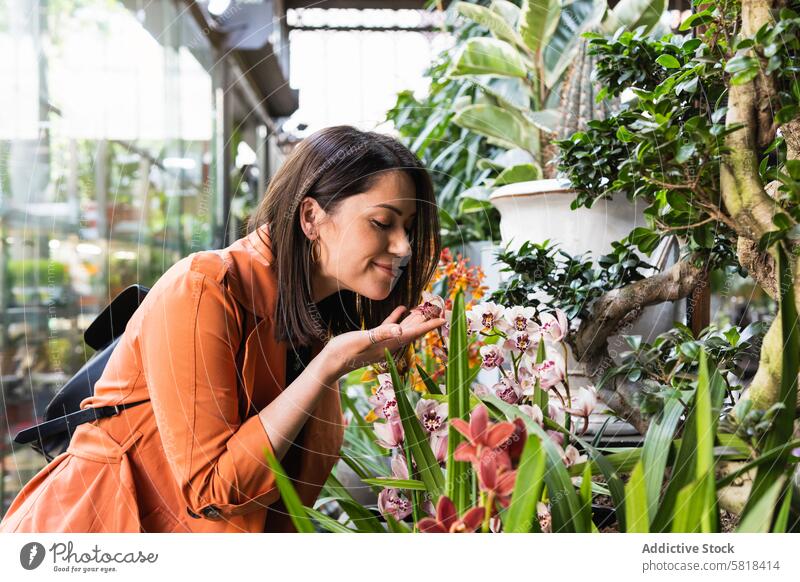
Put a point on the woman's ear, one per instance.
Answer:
(310, 216)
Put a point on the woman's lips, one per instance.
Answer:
(386, 269)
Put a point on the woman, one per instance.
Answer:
(345, 237)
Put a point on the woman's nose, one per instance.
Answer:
(400, 245)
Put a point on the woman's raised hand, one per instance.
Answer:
(353, 350)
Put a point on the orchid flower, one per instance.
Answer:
(571, 456)
(439, 447)
(447, 520)
(390, 433)
(556, 411)
(492, 356)
(391, 502)
(383, 399)
(496, 480)
(431, 307)
(524, 342)
(480, 435)
(399, 467)
(520, 318)
(433, 416)
(555, 325)
(485, 317)
(534, 412)
(583, 404)
(550, 373)
(480, 389)
(508, 390)
(544, 517)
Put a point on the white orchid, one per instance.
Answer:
(556, 325)
(485, 317)
(492, 356)
(520, 318)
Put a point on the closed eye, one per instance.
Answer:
(381, 225)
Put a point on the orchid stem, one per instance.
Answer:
(488, 514)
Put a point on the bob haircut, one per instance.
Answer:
(329, 166)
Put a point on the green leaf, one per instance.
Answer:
(787, 114)
(411, 484)
(361, 517)
(759, 518)
(504, 127)
(432, 387)
(492, 20)
(295, 507)
(458, 488)
(656, 450)
(518, 173)
(538, 21)
(636, 516)
(576, 17)
(520, 517)
(326, 522)
(691, 510)
(488, 56)
(668, 62)
(634, 13)
(782, 519)
(427, 465)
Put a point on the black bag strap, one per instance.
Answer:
(69, 422)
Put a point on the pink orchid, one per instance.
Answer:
(447, 520)
(439, 447)
(556, 437)
(496, 480)
(520, 318)
(550, 373)
(383, 399)
(583, 404)
(399, 467)
(391, 502)
(571, 456)
(485, 317)
(556, 326)
(433, 416)
(492, 357)
(431, 307)
(390, 433)
(507, 390)
(556, 411)
(534, 412)
(445, 329)
(481, 389)
(481, 437)
(523, 342)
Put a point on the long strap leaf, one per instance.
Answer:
(458, 405)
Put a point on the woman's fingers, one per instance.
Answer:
(403, 335)
(420, 329)
(384, 332)
(394, 316)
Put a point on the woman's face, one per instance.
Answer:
(363, 242)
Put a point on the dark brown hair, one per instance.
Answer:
(330, 165)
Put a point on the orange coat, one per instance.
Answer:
(191, 459)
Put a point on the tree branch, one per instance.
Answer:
(619, 306)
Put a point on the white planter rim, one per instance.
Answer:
(532, 188)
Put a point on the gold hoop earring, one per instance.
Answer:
(316, 251)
